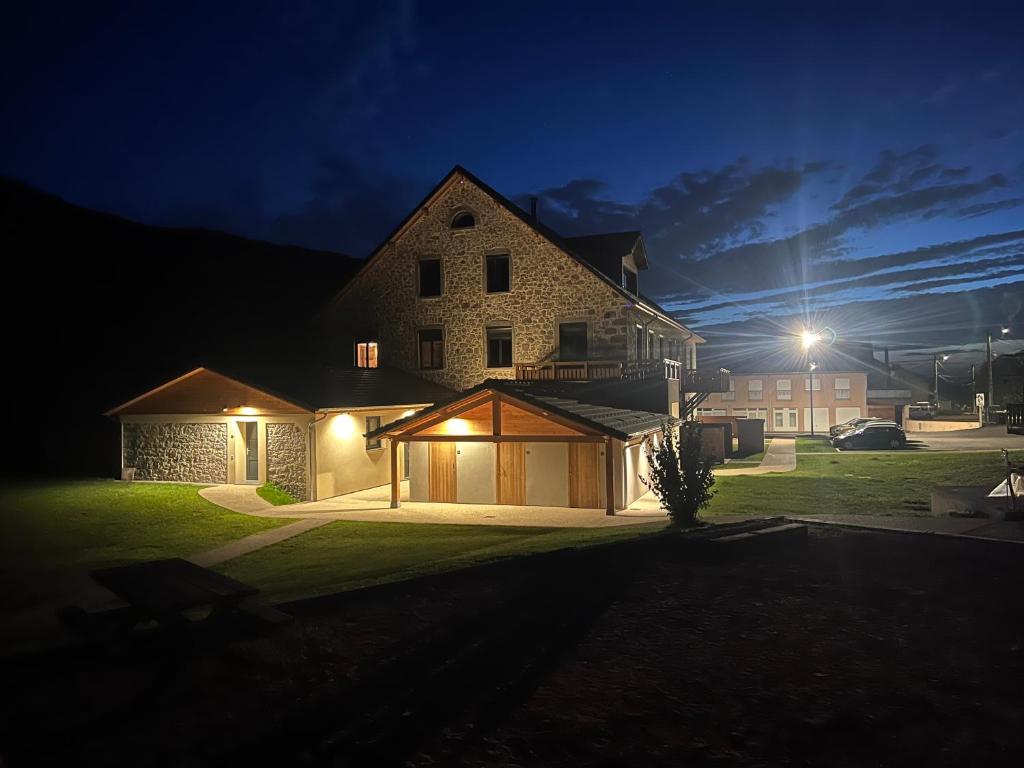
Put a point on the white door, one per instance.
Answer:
(821, 422)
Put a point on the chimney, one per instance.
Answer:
(533, 207)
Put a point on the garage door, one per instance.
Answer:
(845, 414)
(511, 473)
(585, 464)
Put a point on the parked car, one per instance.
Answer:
(877, 434)
(922, 411)
(846, 426)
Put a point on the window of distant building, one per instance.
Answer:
(430, 278)
(372, 423)
(431, 344)
(784, 389)
(842, 389)
(817, 384)
(731, 394)
(499, 347)
(499, 273)
(366, 354)
(755, 388)
(572, 341)
(463, 220)
(629, 281)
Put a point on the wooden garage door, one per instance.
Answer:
(443, 485)
(512, 473)
(585, 487)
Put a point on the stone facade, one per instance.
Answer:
(191, 453)
(286, 458)
(548, 287)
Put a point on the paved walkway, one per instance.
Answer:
(780, 457)
(254, 542)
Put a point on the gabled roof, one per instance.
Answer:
(205, 391)
(618, 423)
(308, 388)
(537, 226)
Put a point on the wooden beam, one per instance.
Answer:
(496, 415)
(609, 477)
(503, 438)
(395, 480)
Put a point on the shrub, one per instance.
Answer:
(680, 476)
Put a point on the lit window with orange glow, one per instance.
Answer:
(366, 354)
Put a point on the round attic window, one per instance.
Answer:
(463, 220)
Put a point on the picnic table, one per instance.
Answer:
(170, 592)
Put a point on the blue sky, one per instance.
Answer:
(856, 165)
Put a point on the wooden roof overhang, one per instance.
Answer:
(203, 391)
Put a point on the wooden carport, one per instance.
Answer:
(510, 420)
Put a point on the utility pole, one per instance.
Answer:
(811, 388)
(935, 369)
(991, 378)
(974, 391)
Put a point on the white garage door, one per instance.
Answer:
(845, 414)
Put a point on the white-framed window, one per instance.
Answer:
(372, 423)
(711, 412)
(842, 389)
(366, 354)
(750, 413)
(755, 389)
(817, 384)
(784, 419)
(731, 394)
(784, 389)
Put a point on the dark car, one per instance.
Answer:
(846, 426)
(877, 434)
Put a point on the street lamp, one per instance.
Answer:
(809, 339)
(988, 353)
(935, 366)
(811, 368)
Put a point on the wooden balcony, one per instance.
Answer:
(570, 370)
(605, 370)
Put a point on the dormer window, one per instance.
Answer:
(629, 280)
(366, 354)
(463, 220)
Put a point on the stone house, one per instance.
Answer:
(469, 290)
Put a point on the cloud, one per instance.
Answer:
(694, 214)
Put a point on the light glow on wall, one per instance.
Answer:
(407, 414)
(245, 410)
(457, 427)
(343, 426)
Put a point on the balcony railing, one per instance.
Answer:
(603, 370)
(570, 370)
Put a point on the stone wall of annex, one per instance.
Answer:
(548, 288)
(191, 453)
(286, 458)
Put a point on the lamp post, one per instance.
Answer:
(935, 367)
(991, 378)
(809, 339)
(811, 368)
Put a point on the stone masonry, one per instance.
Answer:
(548, 287)
(191, 453)
(286, 458)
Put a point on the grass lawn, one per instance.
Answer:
(346, 555)
(890, 484)
(53, 525)
(814, 445)
(275, 495)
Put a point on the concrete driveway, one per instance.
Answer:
(991, 438)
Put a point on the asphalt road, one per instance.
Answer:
(982, 439)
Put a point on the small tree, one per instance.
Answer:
(680, 476)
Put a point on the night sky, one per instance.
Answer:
(861, 169)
